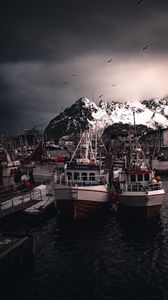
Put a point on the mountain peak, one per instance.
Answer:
(84, 112)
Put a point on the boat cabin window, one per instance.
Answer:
(13, 172)
(92, 176)
(140, 177)
(84, 176)
(146, 177)
(133, 178)
(76, 176)
(69, 174)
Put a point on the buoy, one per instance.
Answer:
(27, 184)
(158, 178)
(153, 180)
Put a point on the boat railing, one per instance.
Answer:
(23, 194)
(154, 186)
(133, 187)
(96, 180)
(20, 201)
(137, 187)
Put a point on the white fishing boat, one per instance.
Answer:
(140, 192)
(82, 188)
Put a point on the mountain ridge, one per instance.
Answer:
(152, 113)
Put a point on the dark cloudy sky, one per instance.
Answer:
(54, 52)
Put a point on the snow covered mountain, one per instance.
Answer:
(84, 112)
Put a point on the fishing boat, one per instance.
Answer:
(140, 192)
(47, 157)
(8, 167)
(14, 176)
(82, 189)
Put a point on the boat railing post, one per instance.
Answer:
(40, 195)
(12, 203)
(30, 195)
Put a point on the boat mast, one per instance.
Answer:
(73, 155)
(136, 140)
(135, 132)
(96, 143)
(87, 144)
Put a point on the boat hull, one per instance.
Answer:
(139, 205)
(81, 202)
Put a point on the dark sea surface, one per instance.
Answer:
(108, 258)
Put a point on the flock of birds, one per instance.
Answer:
(145, 47)
(139, 2)
(110, 60)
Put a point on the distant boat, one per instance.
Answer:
(24, 152)
(160, 164)
(82, 188)
(8, 167)
(47, 157)
(13, 175)
(140, 192)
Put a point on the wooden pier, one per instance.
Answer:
(13, 247)
(20, 202)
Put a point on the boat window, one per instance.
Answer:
(69, 174)
(92, 176)
(76, 176)
(146, 177)
(84, 176)
(140, 177)
(133, 178)
(129, 187)
(134, 188)
(11, 172)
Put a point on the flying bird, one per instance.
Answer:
(113, 85)
(145, 47)
(109, 60)
(74, 75)
(65, 82)
(100, 96)
(139, 2)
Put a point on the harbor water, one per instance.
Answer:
(108, 258)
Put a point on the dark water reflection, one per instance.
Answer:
(105, 259)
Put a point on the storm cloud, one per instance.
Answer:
(43, 45)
